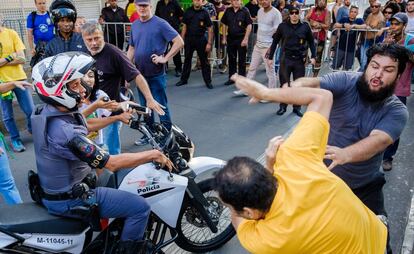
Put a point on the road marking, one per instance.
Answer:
(408, 242)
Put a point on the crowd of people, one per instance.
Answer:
(80, 70)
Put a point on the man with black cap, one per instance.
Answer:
(64, 17)
(294, 38)
(196, 22)
(150, 36)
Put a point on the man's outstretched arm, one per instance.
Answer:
(318, 100)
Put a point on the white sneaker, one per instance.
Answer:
(239, 93)
(264, 101)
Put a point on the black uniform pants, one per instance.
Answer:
(177, 59)
(196, 44)
(234, 51)
(289, 66)
(372, 196)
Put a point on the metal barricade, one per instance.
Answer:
(350, 45)
(117, 33)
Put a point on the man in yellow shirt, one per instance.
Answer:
(295, 204)
(11, 69)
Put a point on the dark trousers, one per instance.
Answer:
(234, 51)
(372, 196)
(392, 149)
(177, 60)
(288, 67)
(196, 44)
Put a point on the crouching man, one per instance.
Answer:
(295, 204)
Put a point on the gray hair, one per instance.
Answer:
(91, 27)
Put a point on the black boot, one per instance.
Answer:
(132, 247)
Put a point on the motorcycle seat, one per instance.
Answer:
(33, 218)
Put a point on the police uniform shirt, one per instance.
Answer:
(197, 22)
(237, 22)
(171, 12)
(295, 39)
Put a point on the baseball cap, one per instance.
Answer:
(400, 17)
(148, 2)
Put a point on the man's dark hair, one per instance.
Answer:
(243, 182)
(410, 1)
(353, 7)
(395, 51)
(394, 7)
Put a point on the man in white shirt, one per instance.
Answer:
(268, 19)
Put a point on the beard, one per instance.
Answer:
(374, 96)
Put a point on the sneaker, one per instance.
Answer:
(239, 93)
(142, 141)
(264, 101)
(386, 165)
(17, 146)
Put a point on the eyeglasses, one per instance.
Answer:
(143, 5)
(294, 13)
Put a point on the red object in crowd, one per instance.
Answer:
(134, 17)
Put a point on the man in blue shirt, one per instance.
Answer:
(366, 118)
(40, 28)
(150, 36)
(343, 11)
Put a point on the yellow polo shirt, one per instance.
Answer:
(314, 211)
(10, 43)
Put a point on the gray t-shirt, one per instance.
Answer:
(267, 26)
(353, 119)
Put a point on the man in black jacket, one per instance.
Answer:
(114, 34)
(294, 38)
(171, 11)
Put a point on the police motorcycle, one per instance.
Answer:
(185, 209)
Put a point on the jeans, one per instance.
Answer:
(364, 47)
(343, 58)
(7, 186)
(157, 85)
(26, 104)
(112, 138)
(112, 203)
(258, 56)
(277, 59)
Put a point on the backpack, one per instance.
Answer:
(34, 14)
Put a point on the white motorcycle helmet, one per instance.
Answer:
(51, 76)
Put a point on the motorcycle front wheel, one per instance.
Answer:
(193, 233)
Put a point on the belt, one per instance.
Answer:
(58, 196)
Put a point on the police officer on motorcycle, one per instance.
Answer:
(63, 13)
(65, 157)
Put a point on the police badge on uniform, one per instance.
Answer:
(201, 23)
(300, 41)
(240, 23)
(171, 14)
